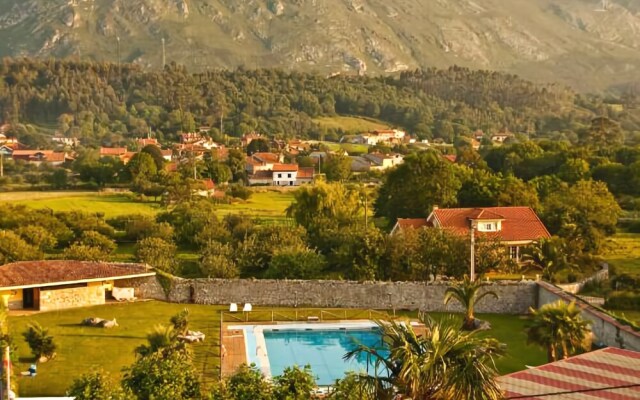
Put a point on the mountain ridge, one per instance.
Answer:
(566, 41)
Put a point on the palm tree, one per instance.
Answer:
(444, 363)
(558, 326)
(466, 293)
(163, 338)
(549, 255)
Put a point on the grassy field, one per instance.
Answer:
(625, 253)
(353, 125)
(82, 349)
(266, 205)
(112, 205)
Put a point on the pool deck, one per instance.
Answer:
(234, 349)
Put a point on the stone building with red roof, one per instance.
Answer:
(56, 285)
(515, 227)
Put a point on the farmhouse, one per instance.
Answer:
(515, 227)
(38, 157)
(55, 285)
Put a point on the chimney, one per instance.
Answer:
(435, 207)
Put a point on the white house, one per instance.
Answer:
(381, 161)
(285, 174)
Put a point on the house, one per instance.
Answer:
(141, 142)
(38, 157)
(285, 174)
(167, 154)
(208, 188)
(113, 151)
(305, 175)
(250, 137)
(261, 178)
(515, 227)
(262, 162)
(9, 141)
(501, 137)
(475, 144)
(381, 161)
(190, 137)
(55, 285)
(380, 136)
(608, 373)
(65, 141)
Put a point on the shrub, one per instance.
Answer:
(95, 386)
(623, 300)
(240, 191)
(40, 342)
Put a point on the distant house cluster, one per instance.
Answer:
(386, 136)
(269, 169)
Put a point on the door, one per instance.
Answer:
(28, 298)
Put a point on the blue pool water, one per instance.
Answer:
(321, 349)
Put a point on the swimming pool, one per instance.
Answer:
(322, 346)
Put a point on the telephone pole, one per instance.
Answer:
(118, 45)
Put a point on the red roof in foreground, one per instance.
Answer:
(518, 223)
(47, 273)
(594, 375)
(285, 167)
(306, 172)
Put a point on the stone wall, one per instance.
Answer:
(574, 288)
(606, 329)
(515, 297)
(59, 299)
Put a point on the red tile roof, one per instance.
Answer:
(113, 151)
(593, 375)
(31, 152)
(146, 141)
(208, 184)
(266, 158)
(48, 273)
(285, 167)
(450, 157)
(306, 172)
(518, 223)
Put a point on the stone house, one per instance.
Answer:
(56, 285)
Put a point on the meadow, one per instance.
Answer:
(82, 349)
(351, 125)
(624, 253)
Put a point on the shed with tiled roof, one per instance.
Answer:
(59, 284)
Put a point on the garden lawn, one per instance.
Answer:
(112, 205)
(624, 255)
(82, 349)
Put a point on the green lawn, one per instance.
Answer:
(625, 253)
(264, 205)
(351, 124)
(350, 148)
(111, 205)
(82, 349)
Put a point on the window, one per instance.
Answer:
(279, 175)
(487, 227)
(514, 252)
(288, 175)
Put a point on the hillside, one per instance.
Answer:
(543, 40)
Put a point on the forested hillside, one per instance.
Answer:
(568, 41)
(106, 103)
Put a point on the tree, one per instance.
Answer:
(58, 179)
(162, 376)
(444, 363)
(14, 248)
(295, 383)
(467, 294)
(218, 172)
(337, 168)
(412, 189)
(97, 240)
(258, 146)
(603, 132)
(81, 252)
(37, 236)
(295, 263)
(217, 261)
(549, 255)
(559, 328)
(95, 386)
(584, 212)
(352, 388)
(156, 154)
(247, 383)
(40, 342)
(158, 253)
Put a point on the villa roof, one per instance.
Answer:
(306, 172)
(608, 373)
(415, 223)
(518, 223)
(56, 272)
(113, 151)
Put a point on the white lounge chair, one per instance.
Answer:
(233, 307)
(247, 307)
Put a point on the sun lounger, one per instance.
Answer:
(233, 307)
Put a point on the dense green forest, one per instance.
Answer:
(105, 103)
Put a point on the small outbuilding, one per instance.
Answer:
(60, 284)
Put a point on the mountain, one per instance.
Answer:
(566, 41)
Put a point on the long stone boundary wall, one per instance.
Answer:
(606, 329)
(514, 297)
